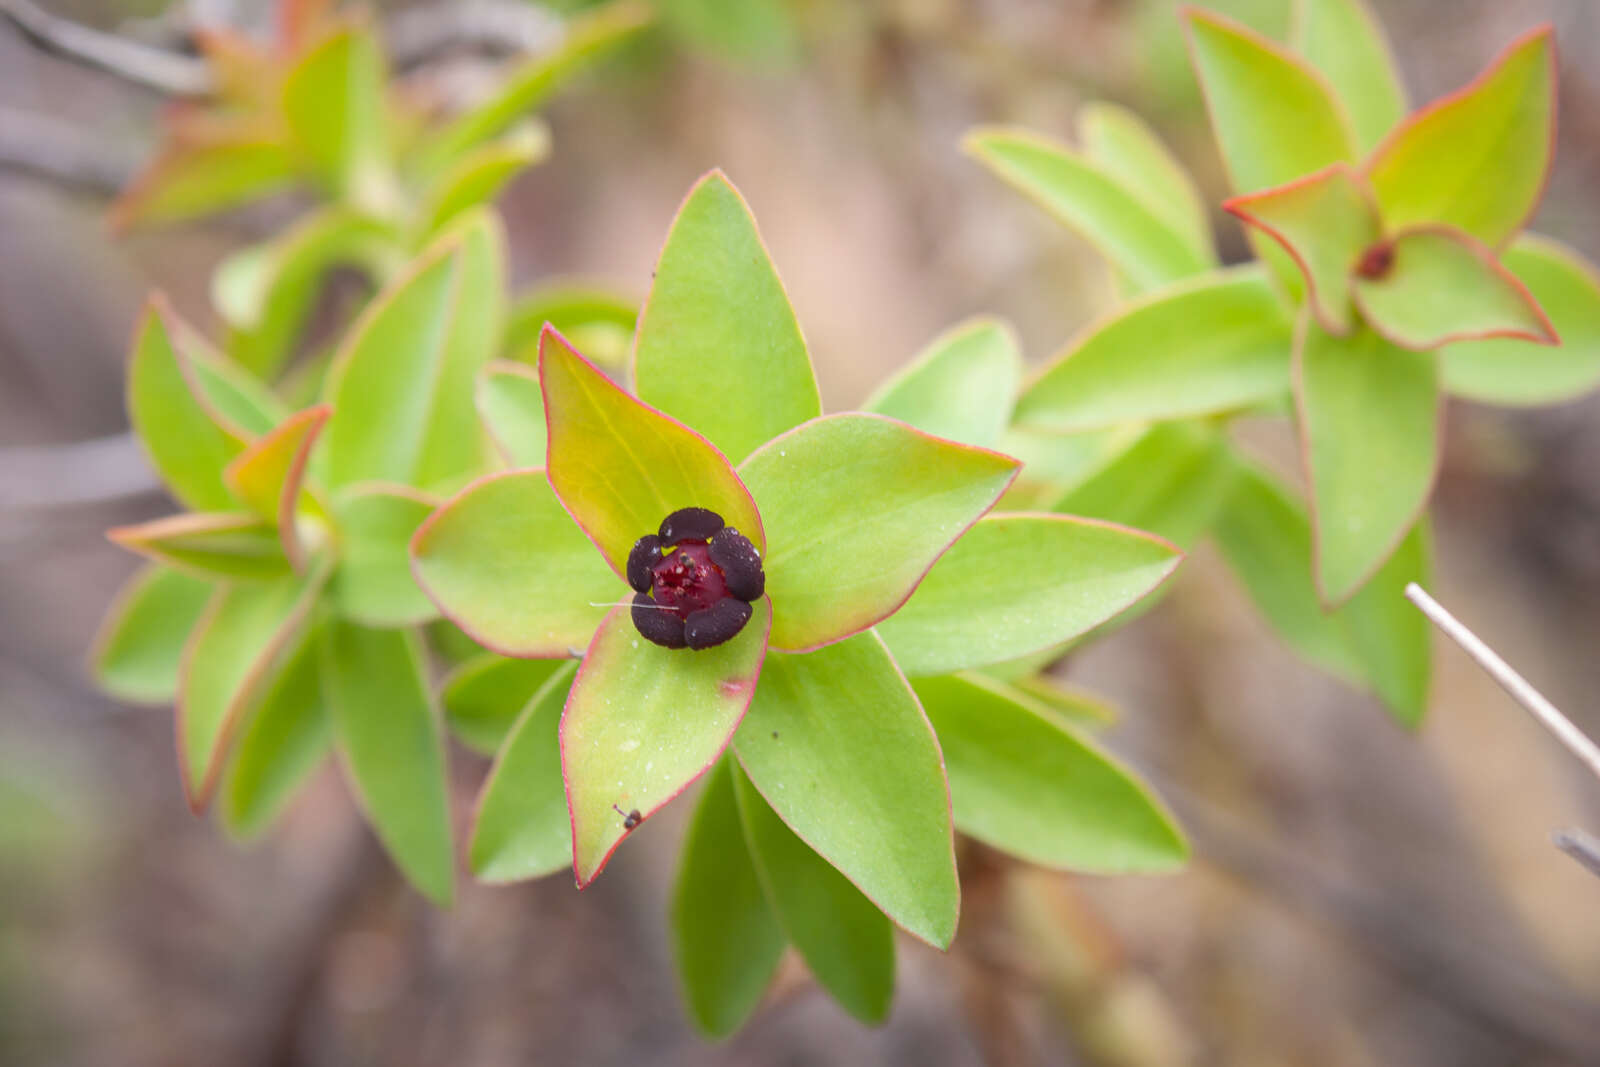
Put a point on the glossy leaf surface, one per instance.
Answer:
(644, 721)
(284, 740)
(1343, 40)
(836, 742)
(857, 508)
(1442, 286)
(1369, 416)
(961, 387)
(1086, 197)
(1275, 117)
(1122, 145)
(389, 740)
(725, 937)
(402, 385)
(846, 942)
(209, 546)
(1505, 371)
(522, 829)
(373, 583)
(484, 696)
(620, 467)
(509, 566)
(1019, 583)
(1477, 159)
(718, 344)
(1215, 344)
(512, 406)
(139, 649)
(1025, 784)
(1324, 222)
(236, 650)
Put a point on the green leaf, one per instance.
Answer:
(1275, 117)
(267, 292)
(237, 401)
(759, 34)
(645, 721)
(846, 942)
(479, 176)
(527, 87)
(962, 386)
(1123, 146)
(1324, 222)
(718, 344)
(333, 101)
(187, 443)
(388, 737)
(1071, 705)
(235, 652)
(857, 508)
(284, 741)
(1218, 343)
(522, 829)
(1015, 584)
(484, 695)
(1093, 202)
(209, 546)
(190, 180)
(402, 385)
(1171, 482)
(1505, 371)
(620, 467)
(838, 745)
(269, 478)
(1370, 417)
(137, 653)
(1391, 637)
(1265, 535)
(1055, 463)
(507, 564)
(1476, 159)
(1376, 640)
(1343, 40)
(373, 583)
(1023, 783)
(271, 472)
(725, 938)
(598, 321)
(511, 404)
(1443, 286)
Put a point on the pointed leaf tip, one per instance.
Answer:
(718, 343)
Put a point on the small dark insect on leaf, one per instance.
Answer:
(629, 819)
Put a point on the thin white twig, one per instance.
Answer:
(1521, 691)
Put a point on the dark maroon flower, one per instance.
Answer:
(695, 580)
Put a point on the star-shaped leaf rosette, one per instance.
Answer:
(280, 614)
(739, 573)
(1393, 273)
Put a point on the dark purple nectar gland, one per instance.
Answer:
(695, 579)
(1377, 261)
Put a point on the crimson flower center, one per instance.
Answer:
(686, 580)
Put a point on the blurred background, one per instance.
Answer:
(1360, 895)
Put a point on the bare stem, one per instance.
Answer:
(1585, 848)
(1549, 716)
(164, 72)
